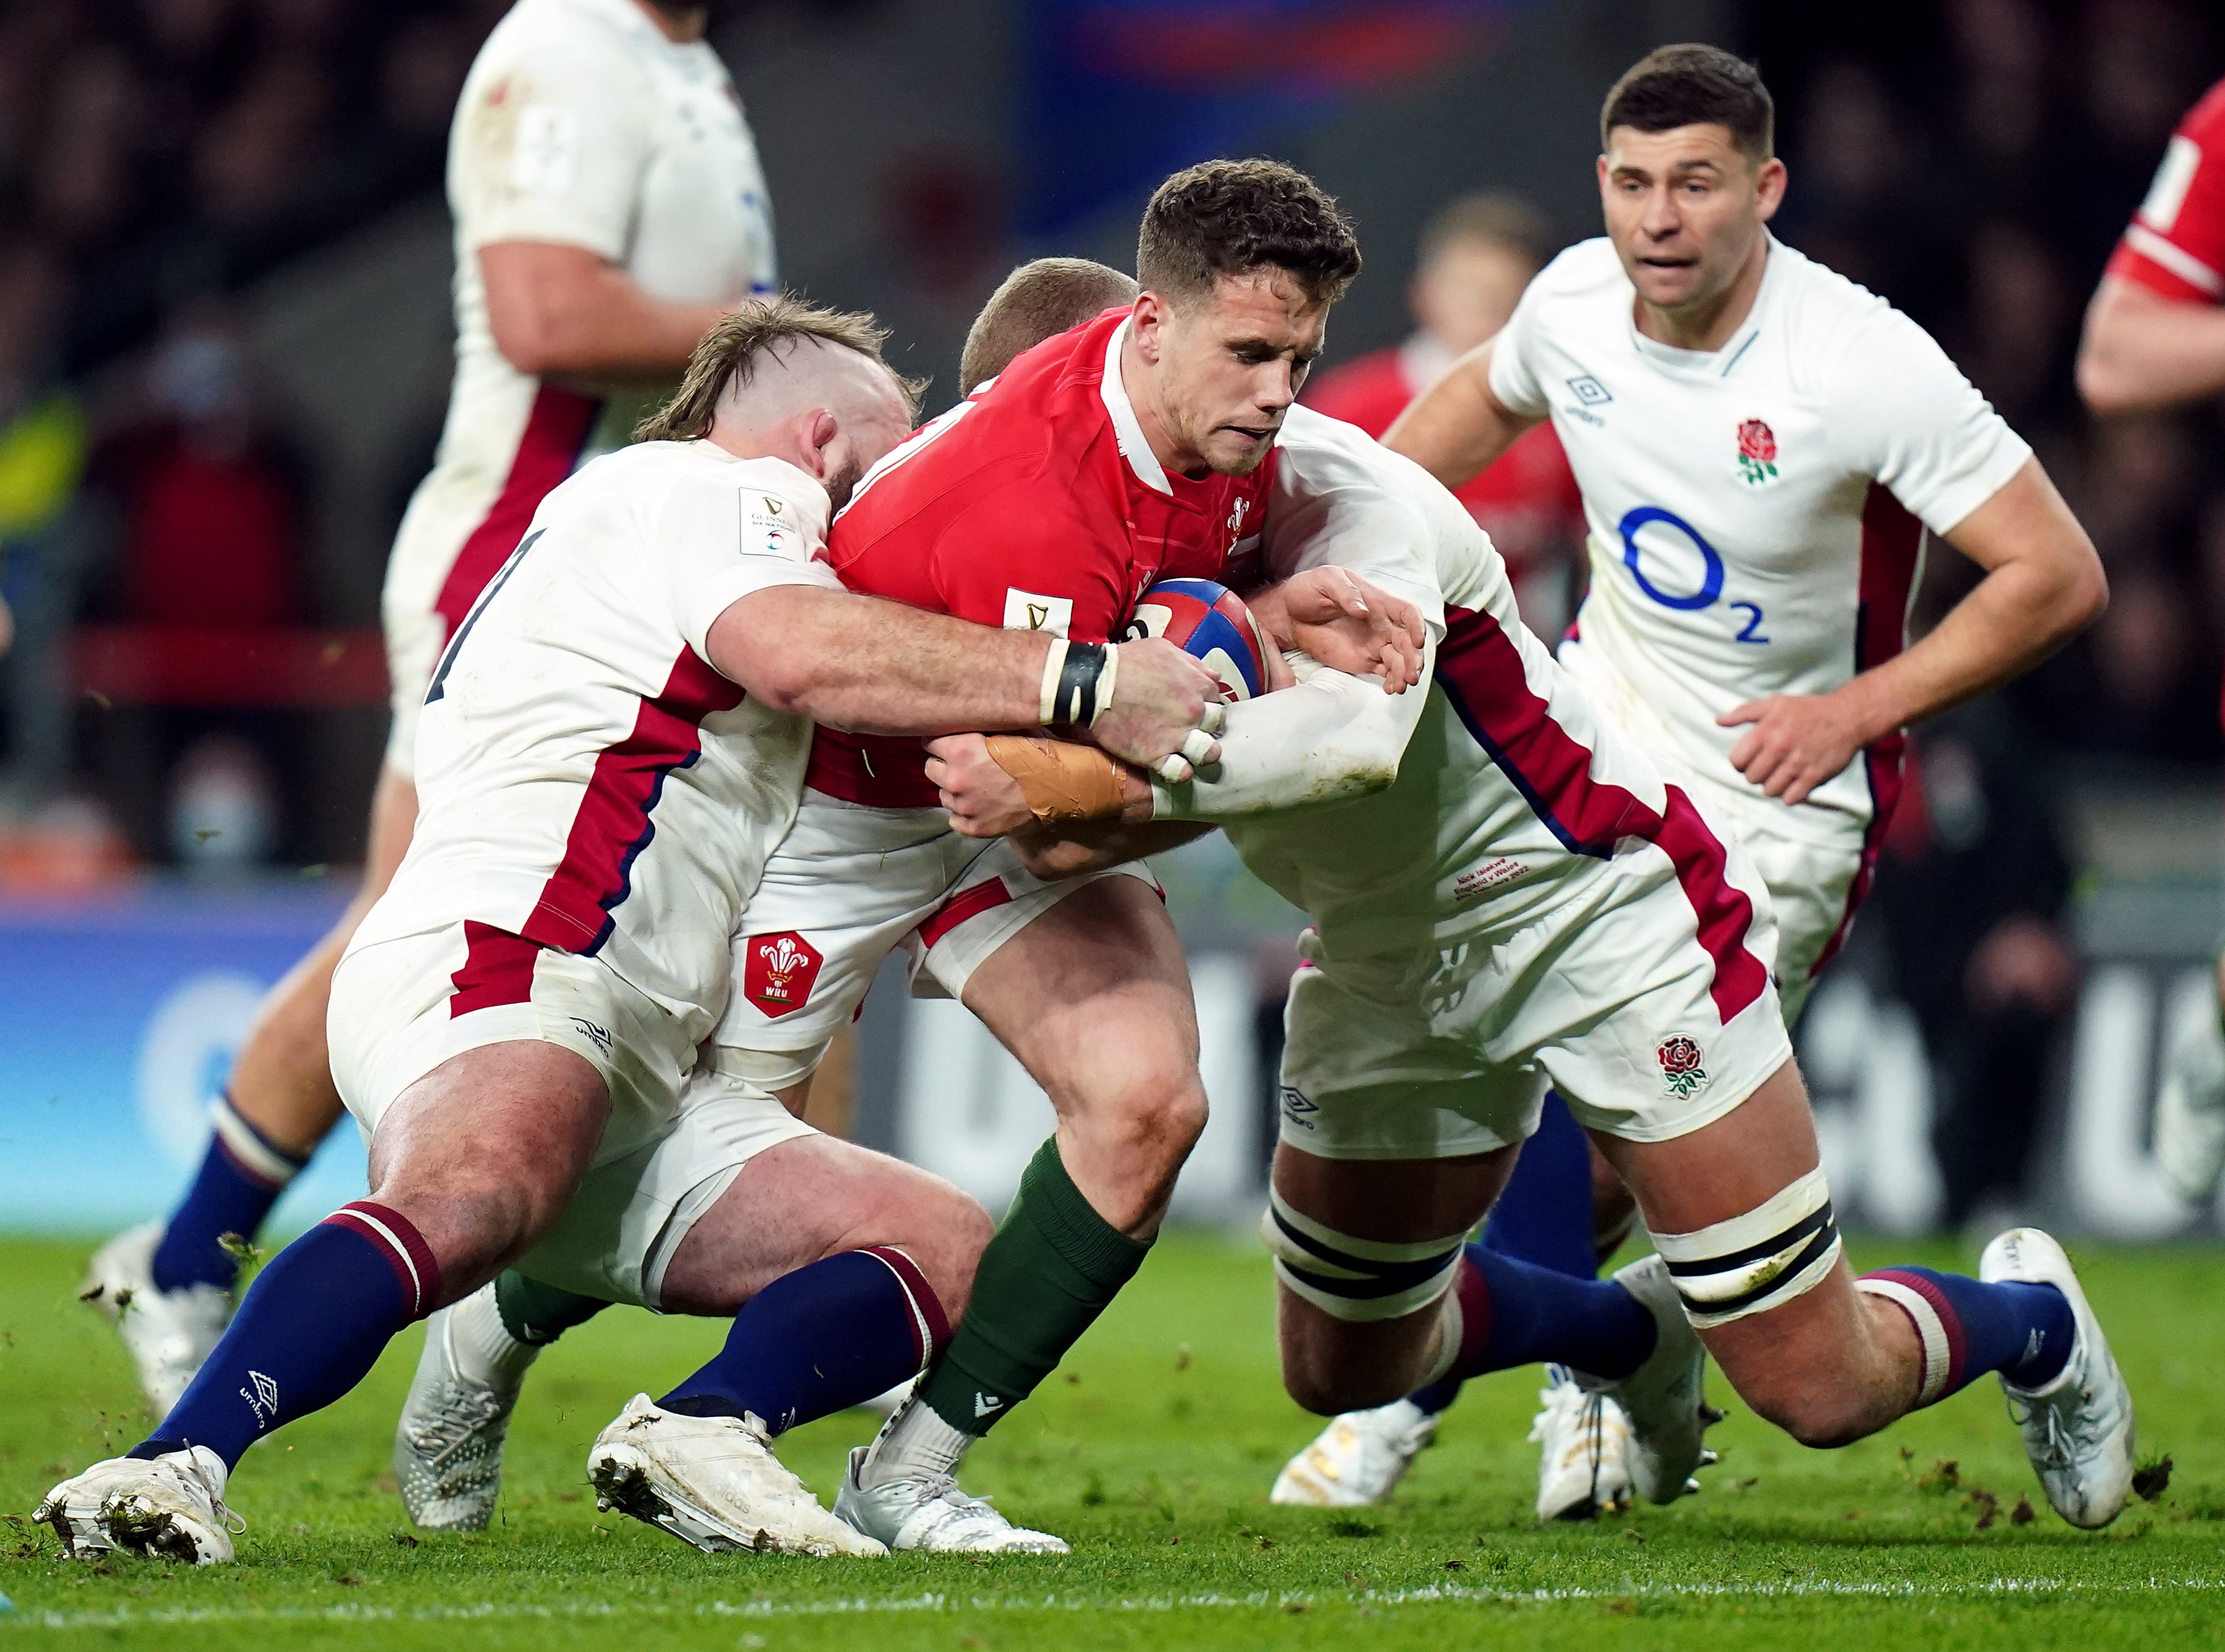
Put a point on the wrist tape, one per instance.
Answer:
(1077, 681)
(1062, 780)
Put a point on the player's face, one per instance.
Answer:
(1226, 370)
(870, 427)
(1465, 293)
(1685, 210)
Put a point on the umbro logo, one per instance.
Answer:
(986, 1405)
(264, 1399)
(601, 1037)
(1297, 1108)
(1590, 390)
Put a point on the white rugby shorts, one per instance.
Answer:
(1812, 886)
(676, 1139)
(1613, 998)
(846, 887)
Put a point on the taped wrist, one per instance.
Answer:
(1077, 683)
(1751, 1263)
(1060, 779)
(1357, 1279)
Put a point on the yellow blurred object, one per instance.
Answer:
(41, 456)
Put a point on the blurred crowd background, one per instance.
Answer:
(223, 316)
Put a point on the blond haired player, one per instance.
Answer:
(609, 207)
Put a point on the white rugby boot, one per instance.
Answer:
(1664, 1400)
(1358, 1459)
(2190, 1114)
(2078, 1429)
(448, 1444)
(712, 1482)
(1583, 1467)
(929, 1513)
(168, 1333)
(170, 1508)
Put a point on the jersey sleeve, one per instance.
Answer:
(1324, 514)
(719, 538)
(2175, 245)
(1513, 368)
(1917, 427)
(552, 149)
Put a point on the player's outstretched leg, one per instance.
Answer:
(470, 1165)
(1378, 1294)
(1743, 1223)
(1546, 1215)
(1093, 998)
(167, 1285)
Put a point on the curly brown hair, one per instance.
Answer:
(1226, 218)
(746, 336)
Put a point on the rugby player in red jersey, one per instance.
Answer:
(2155, 338)
(1477, 255)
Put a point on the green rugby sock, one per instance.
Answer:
(537, 1313)
(1052, 1267)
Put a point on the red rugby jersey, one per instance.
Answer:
(2175, 245)
(1036, 504)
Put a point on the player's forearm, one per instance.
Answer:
(1331, 739)
(2142, 352)
(2018, 615)
(562, 312)
(1074, 850)
(1456, 427)
(858, 662)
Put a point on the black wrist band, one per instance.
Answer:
(1074, 700)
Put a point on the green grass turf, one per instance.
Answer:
(1152, 1451)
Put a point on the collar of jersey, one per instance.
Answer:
(1126, 429)
(1714, 364)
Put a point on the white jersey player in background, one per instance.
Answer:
(609, 207)
(1761, 446)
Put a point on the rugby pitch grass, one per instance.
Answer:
(1152, 1451)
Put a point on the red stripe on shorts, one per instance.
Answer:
(613, 823)
(556, 430)
(1480, 670)
(969, 902)
(497, 969)
(1892, 545)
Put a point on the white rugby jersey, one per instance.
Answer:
(1756, 514)
(1511, 786)
(584, 777)
(580, 124)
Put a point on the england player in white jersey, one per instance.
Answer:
(614, 740)
(609, 207)
(1762, 447)
(1505, 891)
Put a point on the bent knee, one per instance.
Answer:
(1819, 1416)
(1159, 1115)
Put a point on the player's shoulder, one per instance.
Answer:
(2205, 123)
(1837, 331)
(1588, 272)
(651, 478)
(1317, 455)
(591, 42)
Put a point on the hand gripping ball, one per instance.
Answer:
(1209, 622)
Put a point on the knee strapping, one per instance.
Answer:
(1358, 1280)
(1751, 1263)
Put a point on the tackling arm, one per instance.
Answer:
(1457, 427)
(2141, 352)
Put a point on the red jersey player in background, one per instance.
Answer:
(2155, 338)
(1477, 255)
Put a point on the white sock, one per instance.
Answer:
(480, 1345)
(914, 1445)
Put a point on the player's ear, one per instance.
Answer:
(1769, 187)
(820, 427)
(1144, 321)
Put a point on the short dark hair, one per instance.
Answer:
(1692, 85)
(1038, 301)
(743, 338)
(1494, 219)
(1228, 217)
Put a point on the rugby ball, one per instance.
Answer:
(1209, 622)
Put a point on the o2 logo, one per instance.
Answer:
(1711, 565)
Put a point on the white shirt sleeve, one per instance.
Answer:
(721, 536)
(1919, 428)
(1329, 740)
(552, 149)
(1513, 374)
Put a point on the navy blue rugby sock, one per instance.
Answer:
(1968, 1327)
(240, 1178)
